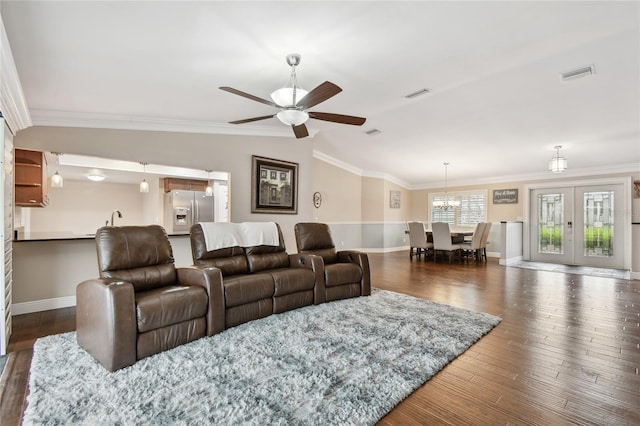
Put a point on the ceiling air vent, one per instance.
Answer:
(372, 132)
(417, 93)
(580, 72)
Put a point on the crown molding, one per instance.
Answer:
(13, 104)
(546, 175)
(388, 178)
(337, 163)
(357, 171)
(126, 122)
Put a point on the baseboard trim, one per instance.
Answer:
(635, 275)
(42, 305)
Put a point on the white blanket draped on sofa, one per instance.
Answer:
(219, 235)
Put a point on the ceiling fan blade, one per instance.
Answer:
(300, 131)
(249, 120)
(338, 118)
(320, 94)
(247, 95)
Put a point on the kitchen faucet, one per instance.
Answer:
(114, 212)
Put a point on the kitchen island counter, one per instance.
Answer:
(47, 267)
(19, 236)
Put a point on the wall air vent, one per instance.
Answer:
(580, 72)
(372, 132)
(417, 93)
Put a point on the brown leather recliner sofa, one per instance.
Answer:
(346, 272)
(257, 281)
(141, 304)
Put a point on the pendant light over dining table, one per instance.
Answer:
(445, 203)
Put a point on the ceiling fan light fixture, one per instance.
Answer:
(288, 97)
(292, 117)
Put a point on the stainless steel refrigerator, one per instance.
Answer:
(185, 208)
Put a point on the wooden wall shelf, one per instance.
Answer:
(30, 178)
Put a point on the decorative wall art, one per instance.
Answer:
(394, 199)
(274, 186)
(505, 196)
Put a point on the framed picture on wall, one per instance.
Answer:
(505, 196)
(274, 186)
(394, 199)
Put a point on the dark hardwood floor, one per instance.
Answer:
(566, 352)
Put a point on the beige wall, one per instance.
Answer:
(83, 207)
(341, 193)
(495, 212)
(373, 200)
(404, 212)
(504, 212)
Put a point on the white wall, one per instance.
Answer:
(82, 207)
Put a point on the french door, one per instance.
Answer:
(578, 225)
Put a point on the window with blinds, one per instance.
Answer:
(471, 211)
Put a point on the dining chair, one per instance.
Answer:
(484, 242)
(473, 247)
(418, 240)
(442, 240)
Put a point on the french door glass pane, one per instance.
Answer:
(550, 223)
(598, 224)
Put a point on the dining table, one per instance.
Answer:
(457, 234)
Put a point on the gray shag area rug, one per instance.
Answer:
(341, 363)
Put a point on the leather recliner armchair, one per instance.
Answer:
(141, 304)
(346, 272)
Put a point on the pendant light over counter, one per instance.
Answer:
(208, 192)
(56, 180)
(144, 185)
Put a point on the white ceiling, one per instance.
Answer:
(496, 109)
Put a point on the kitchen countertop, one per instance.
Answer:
(20, 236)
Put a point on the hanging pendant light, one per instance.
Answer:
(447, 203)
(144, 185)
(208, 192)
(56, 180)
(558, 164)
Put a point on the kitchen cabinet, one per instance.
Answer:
(171, 184)
(30, 178)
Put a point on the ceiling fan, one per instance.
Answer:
(294, 103)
